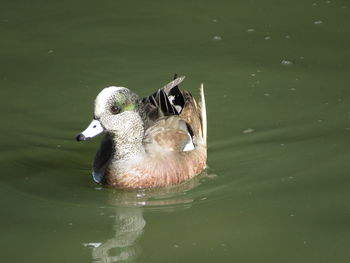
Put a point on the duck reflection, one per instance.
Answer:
(129, 222)
(129, 226)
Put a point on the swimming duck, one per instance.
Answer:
(154, 141)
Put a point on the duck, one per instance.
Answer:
(155, 141)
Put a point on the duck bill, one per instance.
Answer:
(94, 129)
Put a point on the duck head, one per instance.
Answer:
(116, 112)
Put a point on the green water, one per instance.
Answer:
(276, 76)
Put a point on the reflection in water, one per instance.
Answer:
(129, 225)
(129, 222)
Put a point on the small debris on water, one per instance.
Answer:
(214, 20)
(217, 38)
(176, 246)
(318, 22)
(267, 37)
(285, 62)
(50, 51)
(247, 131)
(292, 89)
(251, 30)
(267, 94)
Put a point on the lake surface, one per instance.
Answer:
(276, 76)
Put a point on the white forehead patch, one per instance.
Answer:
(103, 97)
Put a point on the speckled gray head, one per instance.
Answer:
(116, 111)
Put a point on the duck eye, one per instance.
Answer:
(115, 109)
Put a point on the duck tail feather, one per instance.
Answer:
(203, 114)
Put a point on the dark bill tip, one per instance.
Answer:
(80, 137)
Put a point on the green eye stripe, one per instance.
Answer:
(124, 104)
(129, 107)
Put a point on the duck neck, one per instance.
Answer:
(128, 144)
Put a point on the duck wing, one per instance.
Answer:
(173, 84)
(167, 134)
(171, 101)
(166, 101)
